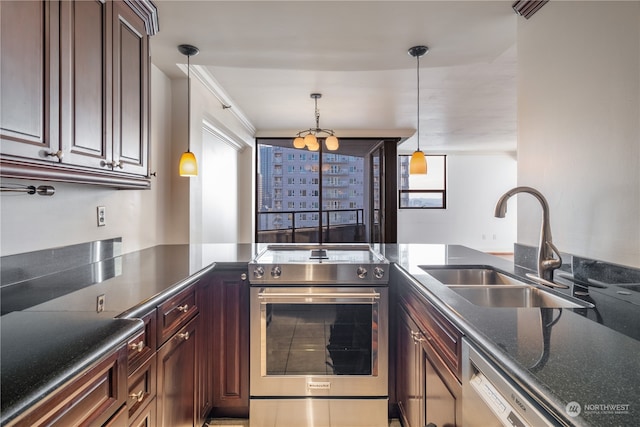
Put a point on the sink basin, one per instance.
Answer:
(471, 276)
(514, 296)
(487, 287)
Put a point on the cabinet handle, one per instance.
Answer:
(184, 336)
(138, 397)
(417, 337)
(137, 347)
(183, 308)
(112, 164)
(243, 276)
(59, 154)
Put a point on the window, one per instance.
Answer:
(423, 191)
(291, 193)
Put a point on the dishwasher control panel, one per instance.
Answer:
(491, 398)
(496, 402)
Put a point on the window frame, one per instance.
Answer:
(442, 191)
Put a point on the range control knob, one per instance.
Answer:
(258, 272)
(276, 272)
(378, 272)
(361, 272)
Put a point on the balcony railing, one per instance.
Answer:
(288, 226)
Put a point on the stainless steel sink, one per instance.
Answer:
(513, 296)
(489, 288)
(471, 276)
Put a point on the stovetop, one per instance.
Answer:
(332, 264)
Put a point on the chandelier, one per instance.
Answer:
(309, 138)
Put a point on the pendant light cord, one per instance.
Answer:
(188, 103)
(418, 96)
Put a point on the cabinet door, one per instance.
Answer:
(231, 341)
(176, 378)
(85, 37)
(130, 90)
(206, 358)
(29, 78)
(409, 376)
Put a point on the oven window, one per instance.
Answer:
(321, 339)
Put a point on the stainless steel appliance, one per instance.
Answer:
(319, 336)
(490, 398)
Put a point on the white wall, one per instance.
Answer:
(219, 191)
(140, 217)
(206, 215)
(475, 183)
(579, 127)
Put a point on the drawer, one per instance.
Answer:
(91, 399)
(147, 417)
(174, 313)
(142, 387)
(142, 345)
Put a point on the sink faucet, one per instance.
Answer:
(546, 250)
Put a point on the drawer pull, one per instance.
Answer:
(184, 336)
(137, 347)
(183, 308)
(417, 337)
(138, 397)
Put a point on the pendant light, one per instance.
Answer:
(188, 163)
(309, 138)
(418, 163)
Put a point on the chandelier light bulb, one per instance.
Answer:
(332, 143)
(314, 147)
(299, 142)
(310, 140)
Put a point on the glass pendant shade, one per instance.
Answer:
(418, 163)
(332, 143)
(188, 164)
(310, 140)
(314, 147)
(299, 142)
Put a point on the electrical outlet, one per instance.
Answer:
(100, 303)
(102, 216)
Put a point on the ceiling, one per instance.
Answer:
(269, 56)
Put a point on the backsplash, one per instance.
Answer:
(583, 269)
(30, 265)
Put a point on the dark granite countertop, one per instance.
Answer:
(43, 351)
(588, 363)
(50, 330)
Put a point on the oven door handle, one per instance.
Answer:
(319, 298)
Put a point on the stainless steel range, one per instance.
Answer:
(319, 336)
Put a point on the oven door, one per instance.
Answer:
(319, 341)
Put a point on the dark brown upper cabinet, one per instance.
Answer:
(74, 86)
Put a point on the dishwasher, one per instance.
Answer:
(490, 398)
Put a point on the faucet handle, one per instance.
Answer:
(554, 262)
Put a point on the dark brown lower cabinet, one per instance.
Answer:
(428, 388)
(230, 307)
(96, 398)
(176, 378)
(147, 417)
